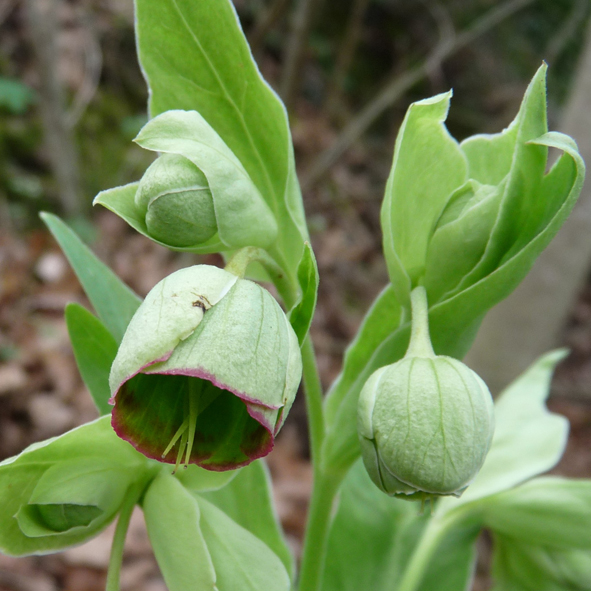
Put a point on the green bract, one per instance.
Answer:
(206, 372)
(63, 491)
(426, 422)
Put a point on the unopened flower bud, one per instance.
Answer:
(426, 422)
(206, 372)
(176, 201)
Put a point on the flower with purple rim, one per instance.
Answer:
(206, 372)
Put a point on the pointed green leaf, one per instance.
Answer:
(173, 520)
(428, 166)
(94, 349)
(113, 301)
(206, 65)
(548, 511)
(241, 560)
(20, 475)
(302, 313)
(248, 500)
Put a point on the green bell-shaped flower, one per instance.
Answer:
(426, 422)
(176, 202)
(206, 372)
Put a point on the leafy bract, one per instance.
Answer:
(373, 537)
(241, 560)
(248, 500)
(51, 473)
(173, 520)
(528, 439)
(513, 200)
(197, 479)
(243, 218)
(71, 495)
(94, 349)
(526, 567)
(113, 301)
(363, 536)
(206, 65)
(300, 316)
(428, 165)
(198, 546)
(547, 511)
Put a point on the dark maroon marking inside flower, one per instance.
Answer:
(229, 431)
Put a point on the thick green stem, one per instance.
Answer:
(420, 341)
(249, 254)
(420, 558)
(116, 559)
(325, 485)
(313, 392)
(316, 540)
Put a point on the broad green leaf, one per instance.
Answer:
(549, 511)
(94, 349)
(20, 475)
(528, 439)
(524, 567)
(113, 301)
(248, 500)
(364, 536)
(173, 521)
(206, 65)
(243, 217)
(428, 166)
(241, 560)
(453, 563)
(302, 313)
(373, 537)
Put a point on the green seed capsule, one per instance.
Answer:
(177, 203)
(426, 422)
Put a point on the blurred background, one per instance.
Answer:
(72, 98)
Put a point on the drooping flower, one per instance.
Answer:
(425, 422)
(207, 370)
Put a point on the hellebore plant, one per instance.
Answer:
(194, 383)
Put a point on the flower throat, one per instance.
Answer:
(200, 394)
